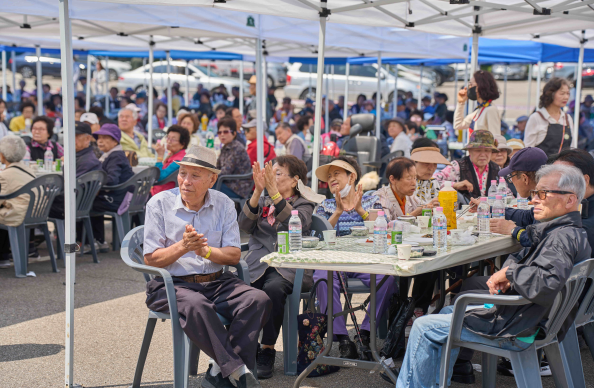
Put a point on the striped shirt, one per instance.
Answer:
(348, 219)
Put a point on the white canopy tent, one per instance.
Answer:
(479, 18)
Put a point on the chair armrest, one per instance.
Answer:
(464, 300)
(227, 178)
(245, 247)
(242, 271)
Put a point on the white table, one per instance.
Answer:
(351, 257)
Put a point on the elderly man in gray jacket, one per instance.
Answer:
(537, 273)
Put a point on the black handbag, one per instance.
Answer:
(312, 328)
(401, 311)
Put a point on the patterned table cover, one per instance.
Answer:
(350, 256)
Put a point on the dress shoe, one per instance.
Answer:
(348, 349)
(463, 372)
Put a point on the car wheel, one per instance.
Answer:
(270, 82)
(439, 79)
(138, 89)
(305, 94)
(113, 75)
(27, 72)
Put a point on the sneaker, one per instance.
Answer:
(84, 250)
(265, 363)
(102, 247)
(210, 381)
(364, 349)
(385, 376)
(248, 380)
(463, 372)
(33, 254)
(348, 349)
(505, 368)
(545, 369)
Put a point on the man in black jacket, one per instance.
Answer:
(537, 273)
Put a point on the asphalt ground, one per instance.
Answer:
(110, 317)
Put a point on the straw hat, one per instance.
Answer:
(252, 79)
(515, 144)
(198, 156)
(428, 155)
(502, 144)
(322, 171)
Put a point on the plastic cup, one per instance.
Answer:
(370, 225)
(404, 251)
(423, 222)
(329, 237)
(373, 214)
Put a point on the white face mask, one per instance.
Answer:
(344, 192)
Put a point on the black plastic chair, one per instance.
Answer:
(141, 184)
(158, 134)
(41, 191)
(87, 187)
(229, 178)
(169, 178)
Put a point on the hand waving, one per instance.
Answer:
(270, 176)
(259, 179)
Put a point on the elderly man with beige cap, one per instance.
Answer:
(192, 232)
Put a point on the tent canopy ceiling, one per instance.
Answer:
(501, 17)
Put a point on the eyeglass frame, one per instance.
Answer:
(533, 193)
(508, 177)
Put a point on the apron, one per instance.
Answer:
(558, 137)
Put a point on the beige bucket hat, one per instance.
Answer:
(198, 156)
(322, 171)
(428, 155)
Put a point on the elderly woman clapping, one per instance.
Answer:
(263, 217)
(14, 176)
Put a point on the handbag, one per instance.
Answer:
(400, 312)
(312, 328)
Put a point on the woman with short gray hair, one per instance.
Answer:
(15, 175)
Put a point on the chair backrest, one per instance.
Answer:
(392, 155)
(586, 309)
(318, 225)
(169, 178)
(567, 298)
(133, 252)
(87, 187)
(42, 191)
(158, 134)
(143, 182)
(366, 120)
(366, 147)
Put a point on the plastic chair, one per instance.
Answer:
(142, 184)
(87, 187)
(158, 134)
(525, 363)
(229, 178)
(367, 150)
(168, 179)
(41, 191)
(132, 254)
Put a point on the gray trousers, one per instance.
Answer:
(247, 308)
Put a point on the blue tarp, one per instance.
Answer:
(175, 54)
(327, 61)
(20, 50)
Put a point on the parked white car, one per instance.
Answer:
(138, 78)
(362, 80)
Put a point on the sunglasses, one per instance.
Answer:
(224, 132)
(542, 194)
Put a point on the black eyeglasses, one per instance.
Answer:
(542, 194)
(508, 177)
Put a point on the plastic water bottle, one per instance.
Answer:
(498, 208)
(522, 203)
(492, 193)
(48, 160)
(380, 234)
(295, 237)
(440, 229)
(483, 215)
(217, 144)
(27, 158)
(502, 190)
(210, 139)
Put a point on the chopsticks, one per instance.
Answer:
(465, 211)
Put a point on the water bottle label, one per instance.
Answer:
(491, 198)
(486, 216)
(294, 229)
(498, 213)
(396, 237)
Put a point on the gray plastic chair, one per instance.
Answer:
(142, 184)
(158, 134)
(132, 254)
(229, 178)
(525, 363)
(87, 187)
(41, 191)
(169, 178)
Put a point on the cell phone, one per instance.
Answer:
(429, 252)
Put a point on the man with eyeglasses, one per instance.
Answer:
(537, 273)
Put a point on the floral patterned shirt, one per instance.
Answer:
(452, 173)
(426, 190)
(348, 219)
(234, 160)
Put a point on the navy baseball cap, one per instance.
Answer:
(526, 159)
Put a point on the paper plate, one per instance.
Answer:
(418, 240)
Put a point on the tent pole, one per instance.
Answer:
(13, 68)
(420, 94)
(538, 83)
(151, 104)
(4, 70)
(88, 91)
(106, 86)
(260, 110)
(69, 184)
(264, 91)
(187, 83)
(208, 75)
(333, 89)
(505, 90)
(465, 82)
(474, 61)
(144, 74)
(326, 101)
(578, 92)
(455, 80)
(318, 111)
(309, 83)
(169, 102)
(241, 87)
(346, 91)
(39, 82)
(395, 96)
(378, 97)
(528, 108)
